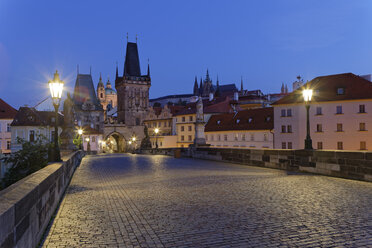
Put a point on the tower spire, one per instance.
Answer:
(196, 88)
(201, 86)
(117, 71)
(218, 93)
(148, 67)
(241, 84)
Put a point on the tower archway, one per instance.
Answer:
(115, 143)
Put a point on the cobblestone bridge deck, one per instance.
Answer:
(158, 201)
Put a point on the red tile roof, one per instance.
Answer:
(250, 119)
(6, 111)
(325, 89)
(31, 117)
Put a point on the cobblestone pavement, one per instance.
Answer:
(158, 201)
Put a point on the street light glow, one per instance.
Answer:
(87, 139)
(156, 130)
(134, 139)
(307, 94)
(130, 142)
(80, 131)
(56, 87)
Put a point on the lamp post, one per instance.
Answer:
(307, 94)
(156, 137)
(56, 88)
(80, 132)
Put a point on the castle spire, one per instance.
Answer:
(207, 78)
(117, 71)
(218, 92)
(196, 88)
(148, 67)
(201, 86)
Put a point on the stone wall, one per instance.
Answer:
(346, 164)
(27, 206)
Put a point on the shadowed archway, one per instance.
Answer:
(115, 142)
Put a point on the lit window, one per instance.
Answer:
(320, 145)
(236, 137)
(362, 126)
(319, 128)
(31, 136)
(363, 145)
(190, 128)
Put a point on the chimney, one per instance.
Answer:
(211, 97)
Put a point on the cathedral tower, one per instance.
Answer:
(132, 89)
(101, 90)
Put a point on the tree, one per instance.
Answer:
(32, 157)
(78, 141)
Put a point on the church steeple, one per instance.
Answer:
(148, 68)
(196, 88)
(100, 83)
(131, 64)
(241, 85)
(218, 92)
(207, 78)
(201, 86)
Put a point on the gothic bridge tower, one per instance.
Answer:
(132, 89)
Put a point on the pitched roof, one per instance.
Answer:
(251, 119)
(84, 91)
(131, 64)
(6, 111)
(325, 89)
(31, 117)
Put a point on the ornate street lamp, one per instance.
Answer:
(307, 94)
(80, 133)
(156, 137)
(56, 88)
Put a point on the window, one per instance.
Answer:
(101, 95)
(289, 112)
(318, 110)
(289, 129)
(219, 137)
(212, 137)
(243, 137)
(182, 138)
(289, 145)
(340, 91)
(339, 110)
(190, 138)
(93, 139)
(236, 137)
(339, 127)
(138, 121)
(362, 108)
(283, 113)
(265, 137)
(363, 145)
(190, 118)
(32, 136)
(283, 129)
(284, 145)
(183, 119)
(252, 137)
(362, 126)
(8, 127)
(340, 145)
(8, 144)
(225, 137)
(320, 145)
(190, 128)
(182, 128)
(250, 119)
(319, 128)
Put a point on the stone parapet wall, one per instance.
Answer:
(27, 206)
(345, 164)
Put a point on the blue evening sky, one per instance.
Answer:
(265, 42)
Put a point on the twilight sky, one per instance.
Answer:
(267, 42)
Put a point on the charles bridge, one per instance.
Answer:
(138, 200)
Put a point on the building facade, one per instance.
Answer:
(29, 124)
(7, 114)
(340, 115)
(246, 129)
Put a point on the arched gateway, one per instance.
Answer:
(115, 142)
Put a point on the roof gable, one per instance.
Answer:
(6, 111)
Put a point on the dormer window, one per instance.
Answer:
(218, 122)
(250, 120)
(340, 91)
(268, 118)
(237, 121)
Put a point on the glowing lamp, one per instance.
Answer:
(56, 88)
(307, 95)
(156, 130)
